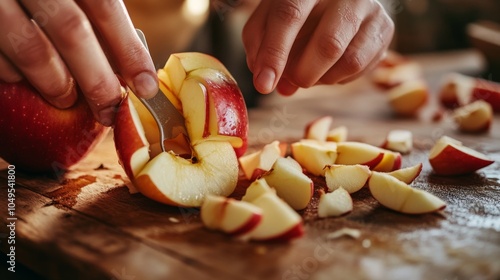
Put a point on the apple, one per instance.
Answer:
(318, 129)
(256, 189)
(409, 97)
(216, 122)
(37, 137)
(314, 155)
(488, 91)
(407, 174)
(349, 177)
(229, 215)
(391, 161)
(337, 134)
(351, 152)
(279, 221)
(450, 157)
(290, 183)
(456, 90)
(395, 69)
(335, 204)
(398, 196)
(399, 140)
(257, 163)
(474, 117)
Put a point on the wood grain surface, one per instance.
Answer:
(88, 225)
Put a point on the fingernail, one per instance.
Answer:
(145, 85)
(265, 80)
(107, 116)
(66, 100)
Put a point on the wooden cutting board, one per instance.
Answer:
(89, 226)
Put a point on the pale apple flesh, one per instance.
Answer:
(37, 137)
(337, 134)
(335, 204)
(257, 163)
(474, 117)
(318, 129)
(407, 174)
(358, 153)
(349, 177)
(409, 97)
(256, 189)
(313, 156)
(391, 161)
(399, 140)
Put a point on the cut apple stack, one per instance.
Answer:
(260, 215)
(216, 120)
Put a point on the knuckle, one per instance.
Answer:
(276, 54)
(355, 63)
(33, 53)
(330, 46)
(74, 28)
(289, 11)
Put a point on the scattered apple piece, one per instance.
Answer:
(474, 117)
(398, 196)
(337, 134)
(488, 91)
(450, 157)
(291, 185)
(335, 204)
(456, 90)
(349, 177)
(399, 140)
(257, 163)
(409, 97)
(407, 174)
(256, 189)
(314, 156)
(350, 152)
(390, 162)
(318, 129)
(395, 69)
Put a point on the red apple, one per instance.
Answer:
(37, 137)
(216, 122)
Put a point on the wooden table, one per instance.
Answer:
(89, 226)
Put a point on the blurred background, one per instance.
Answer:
(214, 27)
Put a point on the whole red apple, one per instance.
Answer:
(37, 137)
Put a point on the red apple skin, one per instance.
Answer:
(454, 162)
(248, 226)
(127, 139)
(488, 91)
(295, 232)
(37, 137)
(231, 110)
(374, 162)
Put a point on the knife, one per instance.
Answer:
(169, 120)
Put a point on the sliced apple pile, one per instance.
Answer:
(399, 140)
(260, 215)
(257, 163)
(474, 117)
(450, 157)
(216, 121)
(335, 204)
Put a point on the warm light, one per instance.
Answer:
(196, 7)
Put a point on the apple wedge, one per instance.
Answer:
(291, 185)
(398, 196)
(350, 152)
(279, 221)
(395, 69)
(450, 157)
(216, 122)
(335, 204)
(318, 129)
(256, 189)
(314, 155)
(474, 117)
(409, 97)
(391, 161)
(399, 140)
(407, 174)
(257, 163)
(229, 215)
(337, 134)
(349, 177)
(456, 90)
(488, 91)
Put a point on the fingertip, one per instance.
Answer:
(286, 88)
(264, 80)
(145, 85)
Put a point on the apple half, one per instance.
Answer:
(216, 122)
(450, 157)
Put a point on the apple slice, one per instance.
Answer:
(229, 215)
(407, 174)
(314, 156)
(279, 221)
(318, 129)
(398, 196)
(335, 204)
(456, 90)
(450, 157)
(395, 69)
(399, 140)
(291, 185)
(349, 177)
(216, 121)
(337, 134)
(390, 162)
(257, 163)
(256, 189)
(350, 152)
(474, 117)
(409, 97)
(488, 91)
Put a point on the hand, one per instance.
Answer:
(294, 43)
(84, 41)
